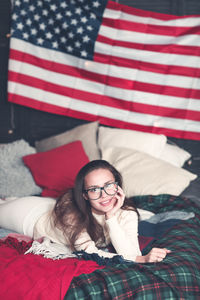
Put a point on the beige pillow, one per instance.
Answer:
(175, 155)
(149, 143)
(86, 133)
(147, 175)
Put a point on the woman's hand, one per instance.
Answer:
(155, 255)
(118, 204)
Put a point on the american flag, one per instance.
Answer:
(100, 60)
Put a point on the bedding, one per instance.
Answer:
(155, 184)
(90, 277)
(34, 277)
(55, 170)
(177, 277)
(13, 171)
(22, 174)
(150, 163)
(193, 191)
(144, 174)
(86, 133)
(156, 145)
(52, 164)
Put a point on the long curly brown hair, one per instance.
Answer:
(73, 214)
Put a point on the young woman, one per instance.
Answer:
(89, 217)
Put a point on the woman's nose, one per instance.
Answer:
(103, 193)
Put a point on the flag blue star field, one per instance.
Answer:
(100, 60)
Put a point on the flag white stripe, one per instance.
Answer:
(148, 56)
(39, 95)
(101, 89)
(99, 109)
(148, 38)
(127, 73)
(100, 68)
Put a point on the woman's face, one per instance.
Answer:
(100, 178)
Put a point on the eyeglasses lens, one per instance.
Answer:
(110, 189)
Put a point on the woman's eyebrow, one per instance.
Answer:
(96, 186)
(93, 186)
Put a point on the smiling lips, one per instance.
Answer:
(106, 202)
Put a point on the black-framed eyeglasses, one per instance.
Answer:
(94, 193)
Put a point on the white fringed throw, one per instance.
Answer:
(49, 249)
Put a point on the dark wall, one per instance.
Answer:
(174, 7)
(5, 109)
(20, 122)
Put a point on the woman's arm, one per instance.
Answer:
(85, 243)
(124, 234)
(155, 255)
(123, 229)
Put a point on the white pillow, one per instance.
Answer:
(175, 155)
(149, 143)
(147, 175)
(153, 144)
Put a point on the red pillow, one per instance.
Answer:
(55, 170)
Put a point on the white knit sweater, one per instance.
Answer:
(121, 230)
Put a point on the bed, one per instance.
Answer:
(42, 137)
(157, 177)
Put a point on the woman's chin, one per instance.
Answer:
(104, 207)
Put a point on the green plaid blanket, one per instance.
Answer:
(177, 277)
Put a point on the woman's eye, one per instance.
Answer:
(94, 190)
(109, 185)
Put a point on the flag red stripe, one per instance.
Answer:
(149, 28)
(55, 88)
(73, 71)
(104, 79)
(133, 126)
(103, 120)
(103, 58)
(166, 48)
(101, 99)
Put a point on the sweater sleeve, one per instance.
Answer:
(123, 232)
(45, 228)
(84, 242)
